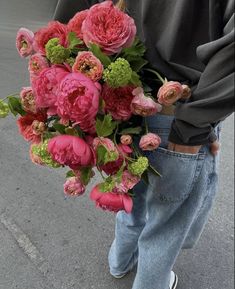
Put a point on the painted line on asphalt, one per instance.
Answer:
(27, 246)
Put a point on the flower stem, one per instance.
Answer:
(157, 74)
(146, 125)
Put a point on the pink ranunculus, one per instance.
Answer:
(75, 24)
(143, 105)
(187, 93)
(106, 142)
(118, 101)
(25, 126)
(109, 28)
(28, 100)
(89, 65)
(71, 151)
(54, 29)
(78, 100)
(24, 42)
(128, 182)
(35, 158)
(38, 127)
(111, 201)
(169, 93)
(149, 142)
(74, 187)
(46, 87)
(112, 168)
(37, 63)
(126, 139)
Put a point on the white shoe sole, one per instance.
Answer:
(119, 276)
(175, 282)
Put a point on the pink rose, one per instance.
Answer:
(128, 182)
(78, 100)
(149, 142)
(37, 63)
(74, 187)
(24, 42)
(28, 99)
(89, 65)
(71, 151)
(25, 126)
(46, 87)
(187, 93)
(169, 93)
(118, 101)
(54, 29)
(126, 139)
(111, 201)
(75, 24)
(142, 105)
(108, 27)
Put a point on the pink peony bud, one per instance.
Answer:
(28, 100)
(89, 65)
(186, 92)
(74, 187)
(24, 42)
(149, 142)
(169, 93)
(142, 105)
(38, 127)
(126, 139)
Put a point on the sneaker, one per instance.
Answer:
(173, 280)
(120, 276)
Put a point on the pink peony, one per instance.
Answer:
(128, 182)
(89, 65)
(108, 27)
(111, 201)
(142, 105)
(75, 24)
(46, 87)
(187, 93)
(71, 151)
(28, 99)
(25, 126)
(149, 142)
(37, 63)
(78, 100)
(54, 29)
(118, 101)
(74, 187)
(24, 42)
(169, 93)
(126, 139)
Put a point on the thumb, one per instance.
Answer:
(214, 148)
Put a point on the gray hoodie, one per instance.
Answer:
(191, 41)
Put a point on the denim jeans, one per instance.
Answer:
(169, 213)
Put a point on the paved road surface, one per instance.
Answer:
(51, 243)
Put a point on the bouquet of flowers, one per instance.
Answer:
(87, 86)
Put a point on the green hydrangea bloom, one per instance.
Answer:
(41, 151)
(118, 73)
(55, 52)
(139, 167)
(4, 109)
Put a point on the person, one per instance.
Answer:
(190, 41)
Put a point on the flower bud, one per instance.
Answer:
(4, 109)
(38, 127)
(126, 139)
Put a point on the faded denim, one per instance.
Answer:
(169, 214)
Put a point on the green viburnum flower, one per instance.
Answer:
(118, 73)
(70, 61)
(55, 52)
(4, 109)
(41, 151)
(139, 167)
(108, 185)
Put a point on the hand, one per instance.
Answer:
(214, 148)
(183, 148)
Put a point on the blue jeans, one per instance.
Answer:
(169, 214)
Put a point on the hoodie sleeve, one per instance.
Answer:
(213, 99)
(66, 9)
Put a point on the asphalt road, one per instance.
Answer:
(48, 242)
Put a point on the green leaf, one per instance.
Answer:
(95, 49)
(138, 49)
(135, 79)
(120, 173)
(131, 130)
(59, 127)
(74, 40)
(101, 152)
(106, 126)
(15, 106)
(138, 64)
(86, 174)
(70, 174)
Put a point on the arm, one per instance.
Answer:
(66, 9)
(212, 100)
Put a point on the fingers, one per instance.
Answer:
(214, 148)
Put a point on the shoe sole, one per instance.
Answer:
(175, 282)
(119, 276)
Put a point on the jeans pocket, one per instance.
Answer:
(179, 171)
